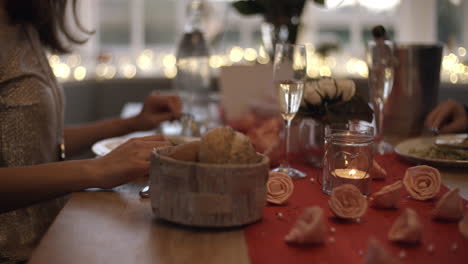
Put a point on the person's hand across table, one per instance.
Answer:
(127, 161)
(448, 117)
(156, 109)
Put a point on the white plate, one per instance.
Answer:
(105, 146)
(453, 140)
(404, 148)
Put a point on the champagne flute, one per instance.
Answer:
(289, 72)
(381, 76)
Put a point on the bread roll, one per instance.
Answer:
(223, 145)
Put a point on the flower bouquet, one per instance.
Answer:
(333, 101)
(282, 17)
(327, 101)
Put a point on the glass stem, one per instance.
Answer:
(380, 125)
(378, 111)
(287, 124)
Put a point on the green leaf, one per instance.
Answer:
(248, 7)
(320, 2)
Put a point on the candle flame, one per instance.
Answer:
(352, 172)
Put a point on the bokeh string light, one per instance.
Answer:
(150, 64)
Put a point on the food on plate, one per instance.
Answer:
(279, 187)
(388, 196)
(244, 124)
(376, 253)
(186, 151)
(377, 172)
(407, 228)
(422, 182)
(223, 145)
(309, 228)
(449, 207)
(440, 152)
(347, 202)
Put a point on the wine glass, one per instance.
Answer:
(289, 73)
(381, 75)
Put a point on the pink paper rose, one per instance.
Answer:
(309, 228)
(449, 207)
(376, 253)
(279, 187)
(388, 196)
(377, 172)
(422, 182)
(346, 201)
(407, 228)
(463, 226)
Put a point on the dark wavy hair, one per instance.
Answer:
(49, 19)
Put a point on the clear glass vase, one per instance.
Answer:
(273, 33)
(311, 141)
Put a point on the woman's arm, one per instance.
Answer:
(80, 138)
(157, 108)
(22, 186)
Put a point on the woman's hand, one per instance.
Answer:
(156, 109)
(448, 117)
(128, 161)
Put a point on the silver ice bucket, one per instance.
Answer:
(415, 89)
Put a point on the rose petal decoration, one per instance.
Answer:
(309, 228)
(449, 207)
(266, 134)
(266, 139)
(279, 187)
(377, 172)
(463, 226)
(407, 228)
(388, 196)
(376, 253)
(422, 182)
(347, 202)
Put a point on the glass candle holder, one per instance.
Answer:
(349, 154)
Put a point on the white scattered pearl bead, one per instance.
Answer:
(332, 229)
(361, 252)
(331, 239)
(402, 254)
(454, 246)
(312, 180)
(430, 248)
(280, 215)
(358, 220)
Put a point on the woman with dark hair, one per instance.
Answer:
(33, 136)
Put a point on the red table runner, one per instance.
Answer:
(348, 243)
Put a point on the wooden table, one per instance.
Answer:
(118, 227)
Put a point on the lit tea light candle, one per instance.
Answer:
(351, 173)
(358, 178)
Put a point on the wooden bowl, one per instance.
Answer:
(207, 195)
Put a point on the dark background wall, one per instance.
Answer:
(92, 100)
